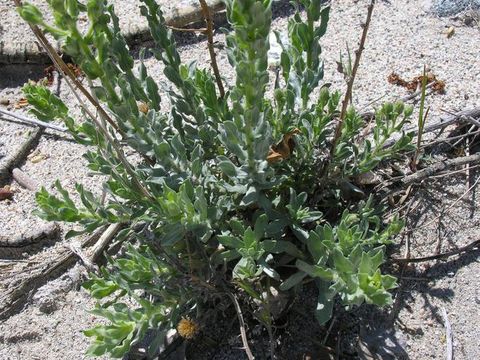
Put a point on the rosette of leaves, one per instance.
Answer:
(206, 212)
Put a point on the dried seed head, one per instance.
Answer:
(143, 107)
(187, 328)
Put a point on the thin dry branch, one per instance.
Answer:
(472, 246)
(464, 116)
(444, 210)
(89, 258)
(29, 120)
(104, 240)
(24, 180)
(242, 326)
(356, 64)
(19, 156)
(174, 28)
(448, 334)
(208, 19)
(437, 167)
(12, 298)
(20, 241)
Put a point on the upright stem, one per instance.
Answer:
(243, 333)
(421, 119)
(209, 31)
(348, 94)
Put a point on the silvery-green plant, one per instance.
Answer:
(207, 212)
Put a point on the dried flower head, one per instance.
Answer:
(143, 107)
(187, 328)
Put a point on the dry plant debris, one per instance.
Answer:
(187, 328)
(36, 157)
(49, 72)
(284, 148)
(450, 32)
(437, 85)
(143, 107)
(21, 103)
(6, 193)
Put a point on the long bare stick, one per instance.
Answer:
(104, 240)
(32, 121)
(448, 331)
(15, 296)
(242, 326)
(436, 167)
(473, 245)
(18, 157)
(209, 31)
(348, 94)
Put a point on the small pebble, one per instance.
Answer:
(4, 101)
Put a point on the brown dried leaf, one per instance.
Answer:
(143, 107)
(394, 79)
(21, 103)
(6, 192)
(439, 86)
(340, 67)
(284, 148)
(416, 83)
(48, 71)
(75, 69)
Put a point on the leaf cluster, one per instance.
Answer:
(216, 215)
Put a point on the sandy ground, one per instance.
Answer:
(403, 37)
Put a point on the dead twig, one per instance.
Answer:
(213, 57)
(435, 168)
(348, 94)
(91, 257)
(243, 332)
(448, 334)
(447, 140)
(174, 28)
(329, 330)
(104, 240)
(24, 180)
(50, 230)
(421, 121)
(29, 120)
(19, 156)
(465, 116)
(473, 245)
(14, 297)
(450, 173)
(76, 248)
